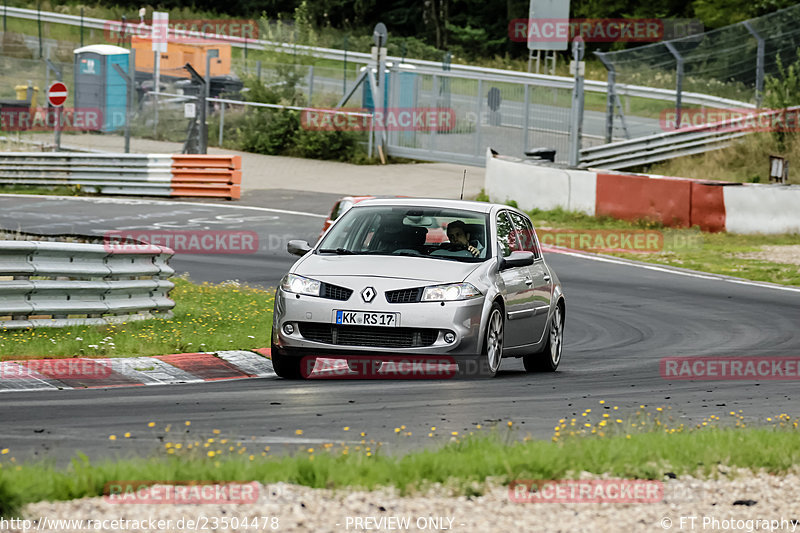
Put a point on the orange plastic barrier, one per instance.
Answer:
(211, 176)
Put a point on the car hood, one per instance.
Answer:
(384, 266)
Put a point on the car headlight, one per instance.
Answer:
(450, 292)
(300, 285)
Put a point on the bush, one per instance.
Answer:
(269, 131)
(334, 145)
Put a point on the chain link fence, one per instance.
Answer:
(729, 62)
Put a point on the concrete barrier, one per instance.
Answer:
(538, 187)
(764, 209)
(638, 197)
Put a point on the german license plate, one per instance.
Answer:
(365, 318)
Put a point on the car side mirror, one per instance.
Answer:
(298, 247)
(516, 259)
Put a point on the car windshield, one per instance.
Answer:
(438, 233)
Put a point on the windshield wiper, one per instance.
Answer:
(339, 251)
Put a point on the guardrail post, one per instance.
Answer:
(759, 62)
(678, 80)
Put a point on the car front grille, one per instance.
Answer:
(334, 292)
(404, 296)
(373, 336)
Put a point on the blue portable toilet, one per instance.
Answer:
(367, 101)
(98, 85)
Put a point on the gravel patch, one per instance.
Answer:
(788, 254)
(745, 501)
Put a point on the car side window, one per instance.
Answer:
(506, 237)
(525, 235)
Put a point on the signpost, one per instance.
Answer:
(379, 36)
(56, 96)
(159, 36)
(543, 17)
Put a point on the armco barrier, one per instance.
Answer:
(136, 174)
(60, 284)
(675, 202)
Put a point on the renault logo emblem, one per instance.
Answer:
(368, 294)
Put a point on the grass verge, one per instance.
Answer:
(207, 318)
(625, 449)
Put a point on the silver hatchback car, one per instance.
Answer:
(383, 281)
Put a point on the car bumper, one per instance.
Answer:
(311, 316)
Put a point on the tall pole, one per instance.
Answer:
(678, 80)
(576, 115)
(759, 62)
(156, 87)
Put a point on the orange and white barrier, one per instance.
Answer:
(674, 202)
(217, 176)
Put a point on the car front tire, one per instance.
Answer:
(488, 363)
(548, 359)
(289, 366)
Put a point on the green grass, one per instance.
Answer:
(206, 318)
(688, 248)
(644, 445)
(744, 161)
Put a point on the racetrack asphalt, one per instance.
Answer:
(622, 319)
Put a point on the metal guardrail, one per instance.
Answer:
(60, 284)
(135, 174)
(668, 145)
(422, 66)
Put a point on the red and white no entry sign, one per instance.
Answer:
(57, 94)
